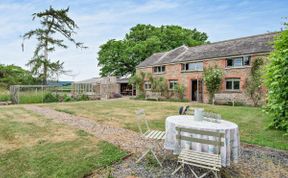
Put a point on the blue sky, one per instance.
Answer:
(101, 20)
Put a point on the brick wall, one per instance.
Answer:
(173, 72)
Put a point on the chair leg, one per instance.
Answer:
(203, 175)
(193, 172)
(143, 156)
(149, 150)
(216, 174)
(177, 169)
(156, 158)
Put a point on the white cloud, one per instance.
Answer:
(101, 20)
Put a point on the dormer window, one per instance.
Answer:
(159, 69)
(238, 61)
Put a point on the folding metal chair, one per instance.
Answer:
(148, 134)
(209, 161)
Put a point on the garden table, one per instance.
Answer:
(230, 150)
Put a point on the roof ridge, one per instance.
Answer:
(245, 37)
(168, 52)
(181, 54)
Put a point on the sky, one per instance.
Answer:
(102, 20)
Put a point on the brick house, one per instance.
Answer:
(184, 65)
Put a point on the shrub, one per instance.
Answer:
(180, 89)
(212, 78)
(83, 98)
(254, 82)
(67, 98)
(50, 97)
(138, 81)
(277, 82)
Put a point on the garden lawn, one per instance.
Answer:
(33, 146)
(4, 95)
(252, 122)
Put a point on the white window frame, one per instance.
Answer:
(159, 69)
(175, 83)
(147, 83)
(191, 63)
(243, 58)
(232, 80)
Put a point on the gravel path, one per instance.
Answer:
(126, 139)
(254, 161)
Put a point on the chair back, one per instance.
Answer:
(214, 116)
(217, 137)
(186, 111)
(141, 121)
(180, 110)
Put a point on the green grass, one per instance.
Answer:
(252, 121)
(4, 95)
(64, 159)
(33, 146)
(31, 97)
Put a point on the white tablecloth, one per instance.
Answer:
(230, 150)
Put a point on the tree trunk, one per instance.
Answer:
(45, 67)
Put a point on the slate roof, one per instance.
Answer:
(240, 46)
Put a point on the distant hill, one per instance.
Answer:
(59, 83)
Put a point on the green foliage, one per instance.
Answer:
(212, 78)
(15, 75)
(254, 82)
(138, 81)
(83, 98)
(120, 57)
(4, 94)
(55, 97)
(50, 97)
(158, 84)
(180, 89)
(277, 82)
(67, 98)
(54, 23)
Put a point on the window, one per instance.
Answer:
(233, 84)
(238, 61)
(196, 66)
(173, 84)
(147, 85)
(159, 69)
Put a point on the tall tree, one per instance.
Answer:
(120, 57)
(14, 75)
(53, 23)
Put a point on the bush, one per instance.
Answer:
(50, 97)
(67, 98)
(83, 98)
(277, 82)
(212, 78)
(180, 89)
(254, 82)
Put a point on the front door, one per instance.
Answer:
(196, 90)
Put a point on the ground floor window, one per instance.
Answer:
(173, 84)
(147, 85)
(233, 84)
